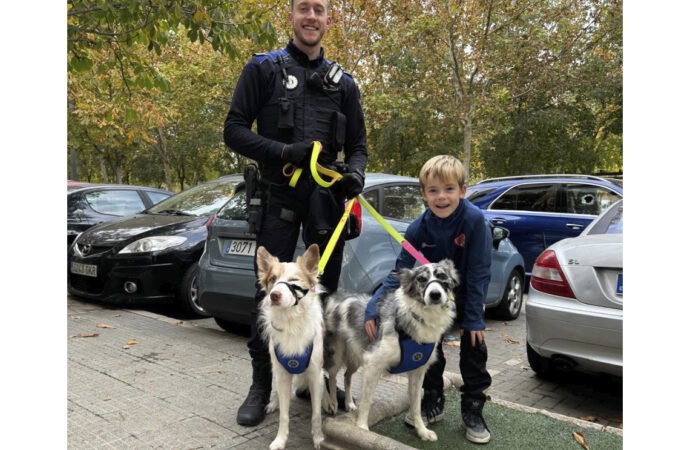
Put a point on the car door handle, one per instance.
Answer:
(573, 225)
(498, 221)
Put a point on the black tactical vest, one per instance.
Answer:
(301, 108)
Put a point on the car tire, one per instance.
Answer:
(511, 303)
(188, 292)
(541, 366)
(230, 327)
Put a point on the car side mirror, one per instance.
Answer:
(498, 234)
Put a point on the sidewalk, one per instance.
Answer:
(152, 381)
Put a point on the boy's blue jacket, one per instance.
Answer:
(438, 239)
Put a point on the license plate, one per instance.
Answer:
(619, 285)
(89, 270)
(240, 247)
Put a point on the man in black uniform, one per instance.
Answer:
(297, 97)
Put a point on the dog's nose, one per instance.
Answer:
(275, 297)
(435, 296)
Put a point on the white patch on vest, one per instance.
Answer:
(291, 82)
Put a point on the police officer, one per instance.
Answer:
(297, 97)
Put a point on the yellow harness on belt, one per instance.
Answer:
(315, 168)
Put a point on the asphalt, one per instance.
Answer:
(152, 379)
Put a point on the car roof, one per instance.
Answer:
(72, 188)
(374, 179)
(543, 178)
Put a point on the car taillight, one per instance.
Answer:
(357, 211)
(548, 277)
(208, 224)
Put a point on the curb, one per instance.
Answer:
(342, 433)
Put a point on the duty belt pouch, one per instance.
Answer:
(338, 126)
(322, 218)
(286, 114)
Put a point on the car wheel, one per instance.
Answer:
(188, 292)
(541, 366)
(228, 326)
(511, 304)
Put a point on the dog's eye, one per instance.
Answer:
(422, 279)
(441, 276)
(271, 279)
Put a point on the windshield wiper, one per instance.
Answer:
(175, 212)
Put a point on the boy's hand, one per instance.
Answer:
(370, 327)
(475, 336)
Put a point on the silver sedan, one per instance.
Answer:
(574, 311)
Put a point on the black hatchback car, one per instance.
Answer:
(151, 256)
(90, 204)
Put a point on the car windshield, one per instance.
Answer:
(200, 200)
(610, 222)
(475, 193)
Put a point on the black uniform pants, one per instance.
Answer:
(280, 237)
(475, 377)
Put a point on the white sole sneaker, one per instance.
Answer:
(474, 437)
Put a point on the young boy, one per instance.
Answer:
(454, 228)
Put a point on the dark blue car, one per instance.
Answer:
(540, 210)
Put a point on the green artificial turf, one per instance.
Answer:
(510, 429)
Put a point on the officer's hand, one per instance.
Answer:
(353, 183)
(296, 153)
(370, 327)
(475, 336)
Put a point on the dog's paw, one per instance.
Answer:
(352, 406)
(318, 439)
(277, 444)
(427, 435)
(329, 406)
(272, 406)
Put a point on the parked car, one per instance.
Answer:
(574, 309)
(90, 204)
(151, 256)
(540, 210)
(226, 270)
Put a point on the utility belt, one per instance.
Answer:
(320, 215)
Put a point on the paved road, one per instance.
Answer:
(180, 384)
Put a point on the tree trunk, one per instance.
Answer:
(195, 178)
(104, 172)
(467, 146)
(162, 149)
(73, 164)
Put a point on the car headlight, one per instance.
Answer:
(153, 244)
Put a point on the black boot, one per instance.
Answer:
(339, 394)
(253, 409)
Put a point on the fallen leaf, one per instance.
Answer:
(179, 322)
(620, 426)
(106, 399)
(102, 325)
(580, 439)
(614, 419)
(524, 368)
(116, 315)
(125, 346)
(488, 398)
(588, 418)
(506, 324)
(512, 341)
(132, 342)
(70, 335)
(504, 335)
(74, 317)
(489, 329)
(163, 359)
(453, 343)
(88, 335)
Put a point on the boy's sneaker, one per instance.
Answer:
(432, 408)
(475, 427)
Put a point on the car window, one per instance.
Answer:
(372, 197)
(589, 199)
(537, 197)
(157, 196)
(202, 199)
(402, 202)
(115, 202)
(234, 209)
(476, 193)
(611, 222)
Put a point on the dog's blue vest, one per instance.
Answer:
(412, 354)
(294, 364)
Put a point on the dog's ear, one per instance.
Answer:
(309, 261)
(264, 261)
(404, 275)
(449, 267)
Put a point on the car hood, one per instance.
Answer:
(139, 226)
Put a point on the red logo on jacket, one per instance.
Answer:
(460, 240)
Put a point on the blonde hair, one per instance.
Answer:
(444, 167)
